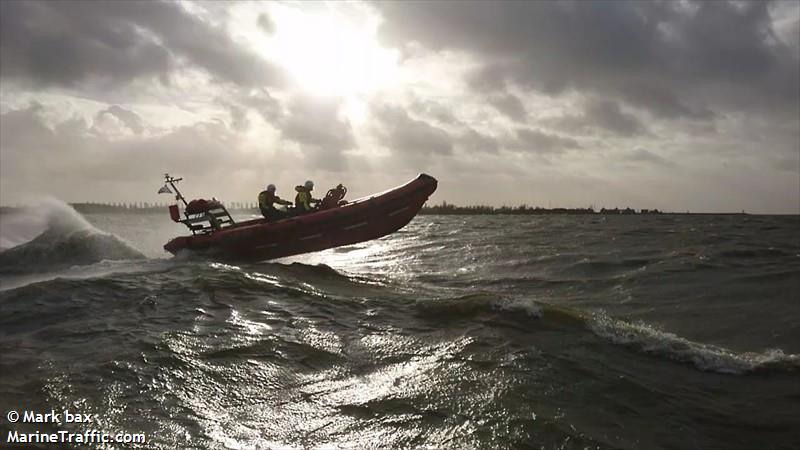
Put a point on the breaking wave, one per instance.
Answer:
(640, 337)
(67, 240)
(646, 339)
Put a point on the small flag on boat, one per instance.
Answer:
(164, 190)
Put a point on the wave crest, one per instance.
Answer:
(637, 336)
(68, 240)
(644, 338)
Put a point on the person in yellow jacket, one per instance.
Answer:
(266, 203)
(303, 200)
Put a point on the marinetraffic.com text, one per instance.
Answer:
(57, 418)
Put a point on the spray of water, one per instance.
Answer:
(67, 240)
(46, 215)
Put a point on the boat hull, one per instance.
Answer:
(358, 221)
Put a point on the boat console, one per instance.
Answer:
(201, 216)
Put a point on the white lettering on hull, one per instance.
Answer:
(313, 236)
(398, 211)
(358, 225)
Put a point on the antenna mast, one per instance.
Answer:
(171, 181)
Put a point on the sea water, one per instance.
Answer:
(484, 332)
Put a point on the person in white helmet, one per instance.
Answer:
(303, 200)
(266, 203)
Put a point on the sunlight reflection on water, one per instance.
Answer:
(386, 256)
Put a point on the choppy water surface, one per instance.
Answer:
(456, 332)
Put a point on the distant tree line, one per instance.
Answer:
(446, 208)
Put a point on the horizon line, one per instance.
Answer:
(447, 207)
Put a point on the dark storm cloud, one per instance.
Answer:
(536, 141)
(72, 151)
(315, 122)
(49, 44)
(263, 103)
(662, 102)
(605, 114)
(510, 105)
(129, 118)
(654, 55)
(239, 101)
(69, 42)
(434, 110)
(643, 156)
(490, 77)
(473, 141)
(400, 132)
(425, 134)
(238, 115)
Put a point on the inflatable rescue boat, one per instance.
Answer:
(336, 223)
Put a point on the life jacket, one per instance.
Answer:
(303, 198)
(266, 200)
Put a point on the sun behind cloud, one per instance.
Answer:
(330, 49)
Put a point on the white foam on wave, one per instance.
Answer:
(47, 214)
(647, 339)
(527, 306)
(53, 237)
(61, 216)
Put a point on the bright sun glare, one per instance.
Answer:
(329, 53)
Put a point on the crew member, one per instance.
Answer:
(266, 203)
(303, 199)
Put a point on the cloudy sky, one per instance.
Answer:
(676, 105)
